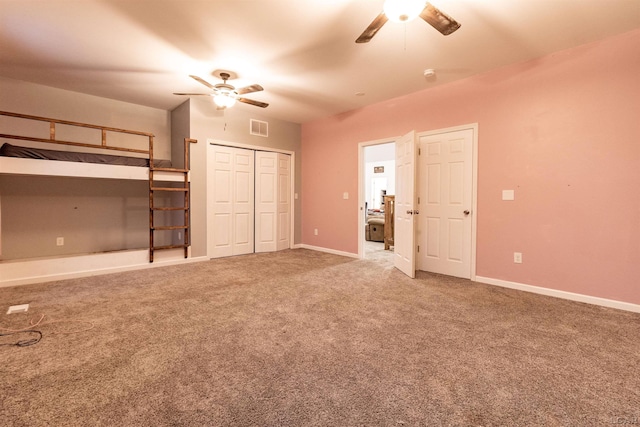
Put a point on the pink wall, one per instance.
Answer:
(563, 131)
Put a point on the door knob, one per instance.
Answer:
(409, 212)
(467, 212)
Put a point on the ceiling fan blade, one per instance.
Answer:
(191, 94)
(439, 20)
(204, 82)
(373, 28)
(249, 89)
(252, 102)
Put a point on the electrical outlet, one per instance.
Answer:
(517, 257)
(60, 241)
(22, 308)
(315, 231)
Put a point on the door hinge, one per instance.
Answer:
(418, 200)
(419, 152)
(418, 248)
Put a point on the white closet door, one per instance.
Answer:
(266, 201)
(231, 206)
(284, 202)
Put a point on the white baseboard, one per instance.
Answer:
(327, 250)
(561, 294)
(25, 272)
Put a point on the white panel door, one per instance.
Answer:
(231, 201)
(244, 202)
(445, 189)
(266, 201)
(284, 202)
(404, 238)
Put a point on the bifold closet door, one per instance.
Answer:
(266, 201)
(232, 201)
(284, 202)
(273, 204)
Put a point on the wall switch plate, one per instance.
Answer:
(508, 195)
(517, 257)
(22, 308)
(315, 231)
(345, 195)
(60, 241)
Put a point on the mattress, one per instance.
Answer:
(9, 150)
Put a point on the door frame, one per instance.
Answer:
(213, 141)
(474, 183)
(361, 186)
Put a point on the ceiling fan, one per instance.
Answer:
(225, 95)
(406, 10)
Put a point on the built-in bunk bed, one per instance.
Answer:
(168, 187)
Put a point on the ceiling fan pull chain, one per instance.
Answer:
(405, 36)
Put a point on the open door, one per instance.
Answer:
(404, 257)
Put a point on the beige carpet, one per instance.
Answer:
(303, 338)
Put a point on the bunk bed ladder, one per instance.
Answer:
(176, 204)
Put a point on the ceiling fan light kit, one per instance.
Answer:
(224, 100)
(404, 11)
(225, 95)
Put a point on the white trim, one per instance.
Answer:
(39, 167)
(212, 141)
(620, 305)
(24, 272)
(327, 250)
(361, 187)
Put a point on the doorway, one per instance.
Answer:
(429, 228)
(376, 191)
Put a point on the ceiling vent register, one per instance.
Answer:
(259, 128)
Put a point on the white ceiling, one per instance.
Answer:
(303, 52)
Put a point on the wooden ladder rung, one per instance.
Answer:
(171, 227)
(168, 189)
(169, 170)
(155, 248)
(170, 209)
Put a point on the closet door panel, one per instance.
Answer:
(243, 202)
(230, 202)
(266, 201)
(284, 202)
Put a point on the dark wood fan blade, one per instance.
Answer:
(191, 94)
(372, 29)
(249, 89)
(204, 82)
(252, 102)
(439, 20)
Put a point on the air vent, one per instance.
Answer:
(259, 128)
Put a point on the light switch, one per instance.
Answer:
(508, 195)
(345, 195)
